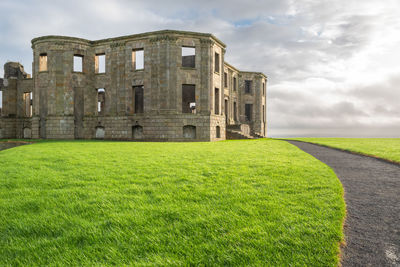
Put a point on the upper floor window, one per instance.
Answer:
(247, 86)
(225, 79)
(263, 89)
(138, 59)
(43, 62)
(188, 57)
(27, 99)
(248, 110)
(216, 62)
(101, 101)
(188, 98)
(78, 63)
(100, 63)
(234, 84)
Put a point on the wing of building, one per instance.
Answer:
(165, 85)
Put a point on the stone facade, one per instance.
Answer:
(137, 87)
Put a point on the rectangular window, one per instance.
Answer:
(78, 63)
(100, 63)
(188, 98)
(43, 62)
(138, 59)
(248, 110)
(1, 101)
(234, 84)
(216, 62)
(263, 89)
(234, 111)
(188, 57)
(247, 86)
(225, 79)
(138, 98)
(27, 99)
(263, 113)
(216, 101)
(101, 101)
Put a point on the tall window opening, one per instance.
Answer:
(216, 101)
(234, 111)
(247, 86)
(100, 63)
(138, 59)
(43, 62)
(101, 101)
(247, 111)
(218, 132)
(234, 84)
(263, 89)
(263, 113)
(225, 79)
(27, 99)
(1, 101)
(138, 98)
(188, 98)
(226, 111)
(216, 62)
(188, 57)
(78, 63)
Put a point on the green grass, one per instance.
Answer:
(257, 202)
(385, 148)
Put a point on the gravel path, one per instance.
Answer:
(372, 194)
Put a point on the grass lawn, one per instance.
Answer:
(386, 148)
(255, 202)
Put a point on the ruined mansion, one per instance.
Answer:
(162, 86)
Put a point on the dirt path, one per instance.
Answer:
(372, 194)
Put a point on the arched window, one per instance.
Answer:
(189, 131)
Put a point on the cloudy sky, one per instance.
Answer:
(333, 65)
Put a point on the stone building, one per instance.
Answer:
(165, 85)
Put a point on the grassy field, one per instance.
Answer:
(386, 148)
(256, 202)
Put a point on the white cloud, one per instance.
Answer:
(332, 65)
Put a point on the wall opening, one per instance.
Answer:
(1, 101)
(247, 86)
(216, 62)
(234, 84)
(138, 98)
(43, 62)
(27, 133)
(263, 89)
(101, 101)
(100, 132)
(138, 59)
(188, 98)
(189, 132)
(225, 79)
(78, 63)
(100, 63)
(226, 110)
(137, 132)
(247, 111)
(218, 132)
(27, 100)
(188, 57)
(263, 113)
(234, 111)
(216, 101)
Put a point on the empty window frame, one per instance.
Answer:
(43, 62)
(100, 63)
(137, 132)
(189, 131)
(247, 86)
(138, 98)
(225, 79)
(216, 101)
(188, 57)
(188, 98)
(234, 84)
(248, 108)
(218, 132)
(263, 89)
(27, 100)
(263, 113)
(78, 63)
(1, 101)
(234, 111)
(216, 62)
(101, 101)
(138, 59)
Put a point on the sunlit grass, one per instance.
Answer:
(258, 202)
